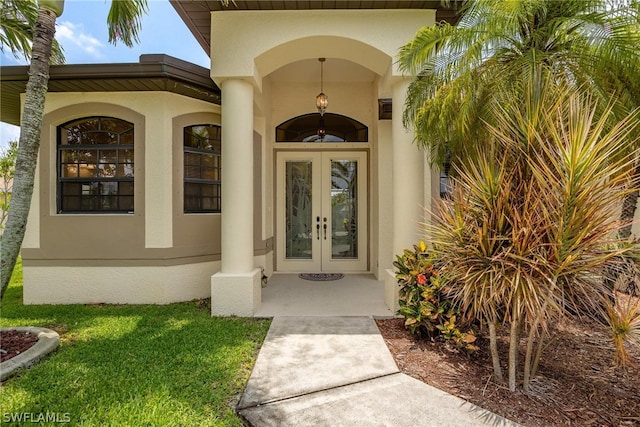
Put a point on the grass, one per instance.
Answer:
(171, 365)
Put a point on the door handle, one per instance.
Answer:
(318, 227)
(325, 228)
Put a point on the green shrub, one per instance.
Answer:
(424, 301)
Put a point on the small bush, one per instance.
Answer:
(624, 325)
(424, 301)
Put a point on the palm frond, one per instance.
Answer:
(17, 24)
(582, 43)
(125, 21)
(17, 20)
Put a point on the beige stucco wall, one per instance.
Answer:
(60, 237)
(155, 254)
(151, 226)
(270, 39)
(354, 100)
(276, 44)
(267, 184)
(384, 205)
(117, 284)
(201, 231)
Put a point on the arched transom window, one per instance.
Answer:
(335, 127)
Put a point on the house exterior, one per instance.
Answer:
(162, 181)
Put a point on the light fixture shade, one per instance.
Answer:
(322, 102)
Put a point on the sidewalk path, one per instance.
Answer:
(338, 372)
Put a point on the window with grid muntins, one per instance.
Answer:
(96, 166)
(202, 168)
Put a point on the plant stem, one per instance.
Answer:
(493, 345)
(528, 368)
(536, 360)
(514, 341)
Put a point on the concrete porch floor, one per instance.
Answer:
(353, 295)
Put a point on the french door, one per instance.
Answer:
(321, 215)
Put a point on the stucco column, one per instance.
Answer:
(408, 189)
(408, 177)
(237, 176)
(236, 289)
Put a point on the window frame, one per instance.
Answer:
(202, 183)
(128, 167)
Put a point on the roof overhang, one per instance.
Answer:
(152, 73)
(196, 14)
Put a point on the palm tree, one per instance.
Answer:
(462, 71)
(492, 86)
(124, 23)
(18, 20)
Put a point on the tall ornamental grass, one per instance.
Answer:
(532, 221)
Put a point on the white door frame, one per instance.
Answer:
(321, 231)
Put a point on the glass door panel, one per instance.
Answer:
(298, 205)
(298, 199)
(344, 209)
(344, 205)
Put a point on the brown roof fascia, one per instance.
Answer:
(152, 73)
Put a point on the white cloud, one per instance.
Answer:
(8, 133)
(74, 36)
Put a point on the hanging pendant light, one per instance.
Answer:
(322, 101)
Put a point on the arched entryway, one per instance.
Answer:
(321, 196)
(278, 57)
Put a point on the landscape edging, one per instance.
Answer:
(48, 341)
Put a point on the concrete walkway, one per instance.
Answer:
(338, 372)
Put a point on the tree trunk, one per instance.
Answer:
(527, 369)
(29, 145)
(514, 347)
(539, 350)
(493, 346)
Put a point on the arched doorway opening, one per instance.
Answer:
(322, 196)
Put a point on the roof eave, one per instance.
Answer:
(152, 73)
(196, 13)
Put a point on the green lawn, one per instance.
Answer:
(140, 365)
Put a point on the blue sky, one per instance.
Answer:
(82, 32)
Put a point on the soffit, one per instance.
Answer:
(196, 14)
(152, 73)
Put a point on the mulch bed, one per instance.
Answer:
(576, 384)
(14, 343)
